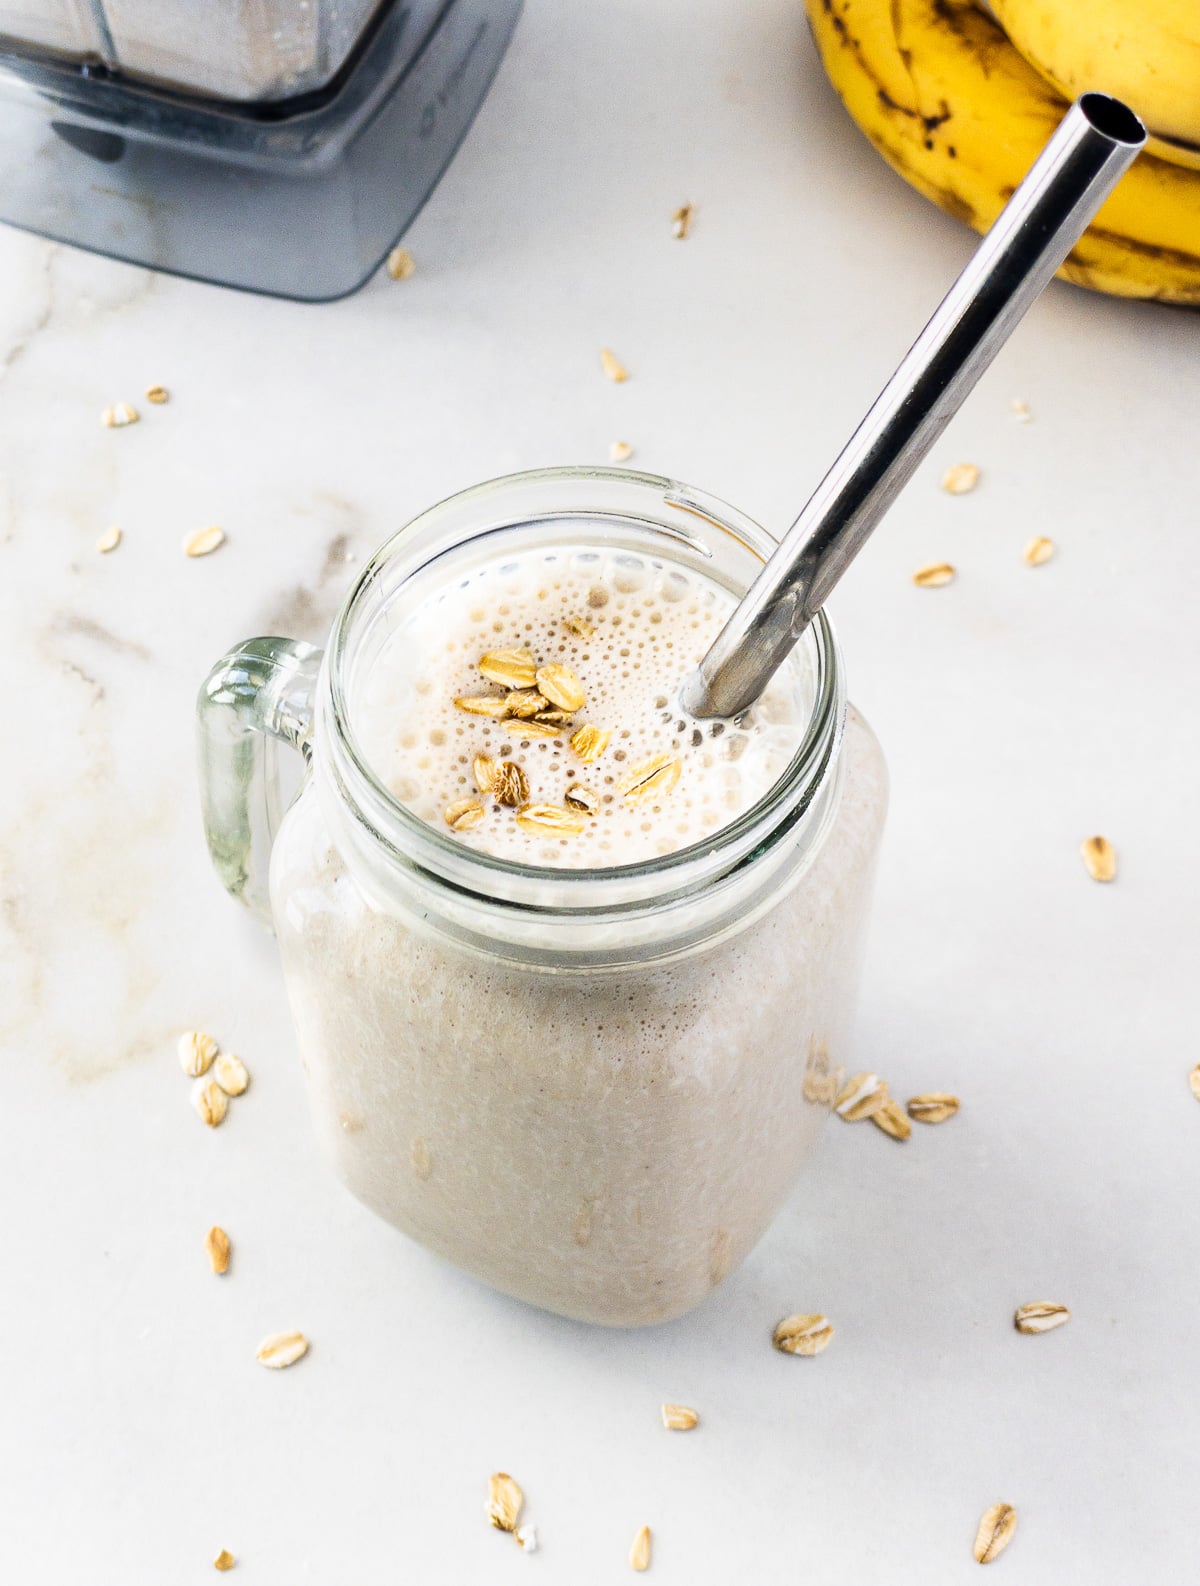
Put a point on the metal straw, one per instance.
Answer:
(1097, 140)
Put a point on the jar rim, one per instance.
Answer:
(557, 495)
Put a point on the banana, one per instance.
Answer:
(951, 104)
(1147, 52)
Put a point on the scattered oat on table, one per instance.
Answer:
(639, 1552)
(420, 1158)
(217, 1247)
(400, 264)
(820, 1086)
(679, 1417)
(681, 221)
(119, 415)
(230, 1073)
(109, 540)
(504, 1501)
(158, 394)
(1099, 858)
(210, 1101)
(891, 1119)
(527, 1538)
(1038, 551)
(935, 1106)
(1020, 410)
(995, 1532)
(960, 478)
(860, 1097)
(1194, 1081)
(203, 542)
(612, 366)
(620, 452)
(803, 1334)
(224, 1560)
(934, 575)
(196, 1052)
(279, 1350)
(1041, 1316)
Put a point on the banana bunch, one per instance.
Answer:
(953, 104)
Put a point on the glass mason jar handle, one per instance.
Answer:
(256, 698)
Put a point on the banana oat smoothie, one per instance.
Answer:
(573, 974)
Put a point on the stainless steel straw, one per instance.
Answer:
(1097, 140)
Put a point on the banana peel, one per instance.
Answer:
(1146, 52)
(952, 106)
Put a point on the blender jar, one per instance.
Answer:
(259, 50)
(277, 145)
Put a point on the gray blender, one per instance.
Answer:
(276, 145)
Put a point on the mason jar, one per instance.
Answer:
(591, 1088)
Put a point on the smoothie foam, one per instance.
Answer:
(630, 630)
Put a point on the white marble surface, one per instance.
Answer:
(1021, 710)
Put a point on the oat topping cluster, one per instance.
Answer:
(543, 701)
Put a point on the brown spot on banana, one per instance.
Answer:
(1107, 261)
(1177, 258)
(929, 124)
(944, 197)
(1105, 279)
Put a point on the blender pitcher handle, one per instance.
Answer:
(257, 697)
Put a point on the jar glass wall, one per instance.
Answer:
(591, 1088)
